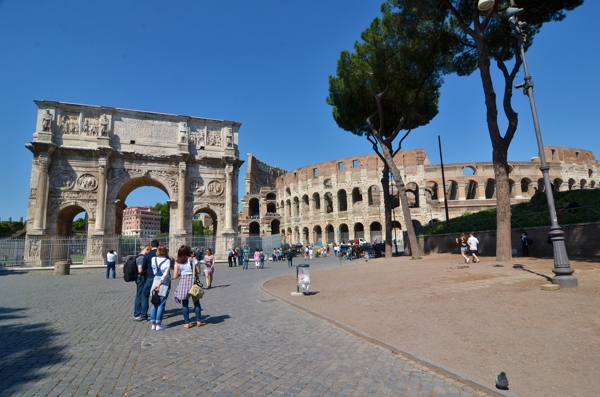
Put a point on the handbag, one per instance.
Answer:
(196, 291)
(155, 300)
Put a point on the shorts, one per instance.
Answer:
(473, 252)
(464, 249)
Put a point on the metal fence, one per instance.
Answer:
(77, 249)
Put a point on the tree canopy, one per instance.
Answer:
(166, 214)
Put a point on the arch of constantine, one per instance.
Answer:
(341, 199)
(89, 158)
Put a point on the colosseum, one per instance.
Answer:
(341, 199)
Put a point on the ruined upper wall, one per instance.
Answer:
(260, 174)
(140, 132)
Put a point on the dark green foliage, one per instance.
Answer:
(8, 226)
(80, 224)
(165, 211)
(198, 229)
(527, 215)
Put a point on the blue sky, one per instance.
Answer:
(264, 64)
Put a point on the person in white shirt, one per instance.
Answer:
(111, 263)
(473, 243)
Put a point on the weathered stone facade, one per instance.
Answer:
(89, 158)
(341, 199)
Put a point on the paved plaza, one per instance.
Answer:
(74, 335)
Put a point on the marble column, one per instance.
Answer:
(181, 197)
(228, 201)
(101, 200)
(42, 192)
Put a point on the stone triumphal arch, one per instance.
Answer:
(89, 158)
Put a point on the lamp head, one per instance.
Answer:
(485, 5)
(512, 12)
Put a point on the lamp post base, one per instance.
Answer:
(565, 281)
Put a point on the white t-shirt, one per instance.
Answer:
(185, 269)
(473, 242)
(111, 257)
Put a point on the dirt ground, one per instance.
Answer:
(479, 319)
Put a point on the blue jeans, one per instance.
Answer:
(245, 263)
(289, 261)
(186, 310)
(146, 298)
(262, 264)
(113, 266)
(156, 313)
(137, 304)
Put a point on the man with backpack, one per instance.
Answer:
(140, 280)
(148, 279)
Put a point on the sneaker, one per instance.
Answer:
(467, 261)
(153, 327)
(160, 327)
(139, 318)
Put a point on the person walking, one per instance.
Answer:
(230, 257)
(525, 243)
(139, 283)
(257, 258)
(473, 244)
(262, 259)
(184, 269)
(240, 255)
(290, 257)
(111, 263)
(161, 267)
(209, 267)
(235, 260)
(246, 256)
(464, 246)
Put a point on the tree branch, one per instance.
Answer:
(459, 19)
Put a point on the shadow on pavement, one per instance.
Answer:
(215, 319)
(522, 267)
(25, 349)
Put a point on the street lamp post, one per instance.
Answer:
(562, 268)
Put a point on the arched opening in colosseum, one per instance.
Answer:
(305, 236)
(359, 231)
(395, 198)
(396, 234)
(271, 196)
(431, 191)
(525, 187)
(469, 170)
(318, 233)
(412, 192)
(296, 207)
(288, 208)
(471, 190)
(452, 190)
(490, 188)
(328, 197)
(317, 201)
(592, 184)
(289, 236)
(275, 226)
(305, 205)
(271, 208)
(288, 191)
(571, 183)
(254, 229)
(344, 232)
(374, 196)
(375, 231)
(254, 208)
(542, 188)
(582, 184)
(557, 184)
(356, 195)
(416, 224)
(590, 172)
(330, 234)
(342, 200)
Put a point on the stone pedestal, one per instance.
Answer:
(62, 268)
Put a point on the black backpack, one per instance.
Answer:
(130, 269)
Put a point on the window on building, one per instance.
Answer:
(315, 172)
(354, 163)
(340, 166)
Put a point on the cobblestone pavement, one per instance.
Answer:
(74, 335)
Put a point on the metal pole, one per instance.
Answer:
(562, 268)
(444, 182)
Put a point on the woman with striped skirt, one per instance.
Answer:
(184, 270)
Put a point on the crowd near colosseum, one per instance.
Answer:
(341, 199)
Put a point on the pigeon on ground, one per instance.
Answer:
(502, 381)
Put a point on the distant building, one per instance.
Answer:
(205, 218)
(142, 222)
